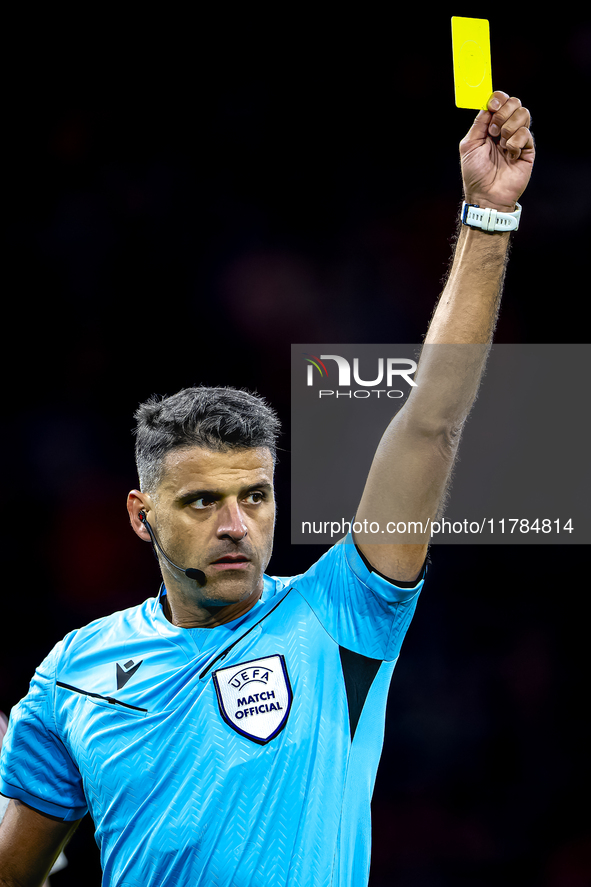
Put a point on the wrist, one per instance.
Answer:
(490, 220)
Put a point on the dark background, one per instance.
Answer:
(187, 197)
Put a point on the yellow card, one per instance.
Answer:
(470, 39)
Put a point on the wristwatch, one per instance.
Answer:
(490, 220)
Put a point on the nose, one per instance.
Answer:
(231, 523)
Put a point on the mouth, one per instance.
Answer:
(231, 562)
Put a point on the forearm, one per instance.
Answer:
(460, 333)
(468, 307)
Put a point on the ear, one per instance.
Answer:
(136, 502)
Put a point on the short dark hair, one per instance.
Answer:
(215, 418)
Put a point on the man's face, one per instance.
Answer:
(215, 511)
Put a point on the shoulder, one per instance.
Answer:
(360, 610)
(101, 634)
(344, 567)
(344, 562)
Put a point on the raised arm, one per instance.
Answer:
(412, 466)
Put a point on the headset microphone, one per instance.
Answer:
(191, 573)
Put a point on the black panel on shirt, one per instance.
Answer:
(358, 672)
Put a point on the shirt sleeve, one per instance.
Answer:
(35, 766)
(362, 611)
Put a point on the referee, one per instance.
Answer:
(228, 731)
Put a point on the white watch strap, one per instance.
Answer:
(490, 220)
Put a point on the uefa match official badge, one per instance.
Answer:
(255, 697)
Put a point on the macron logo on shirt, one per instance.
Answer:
(125, 672)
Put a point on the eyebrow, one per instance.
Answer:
(184, 498)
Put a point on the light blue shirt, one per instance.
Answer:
(238, 756)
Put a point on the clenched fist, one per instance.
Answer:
(497, 154)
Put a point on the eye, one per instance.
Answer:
(201, 502)
(255, 498)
